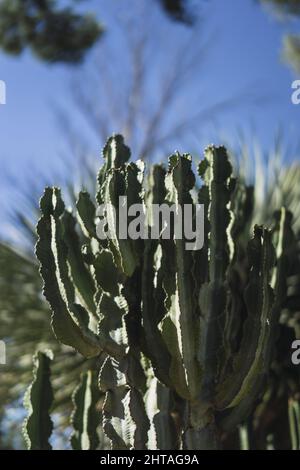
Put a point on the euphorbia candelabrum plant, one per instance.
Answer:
(184, 338)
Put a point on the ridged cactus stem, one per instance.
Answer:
(202, 432)
(184, 337)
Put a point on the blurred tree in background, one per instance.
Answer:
(53, 34)
(59, 34)
(291, 42)
(180, 10)
(62, 35)
(286, 6)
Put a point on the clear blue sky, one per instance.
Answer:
(244, 59)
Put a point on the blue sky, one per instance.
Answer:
(243, 60)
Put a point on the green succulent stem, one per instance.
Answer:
(184, 338)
